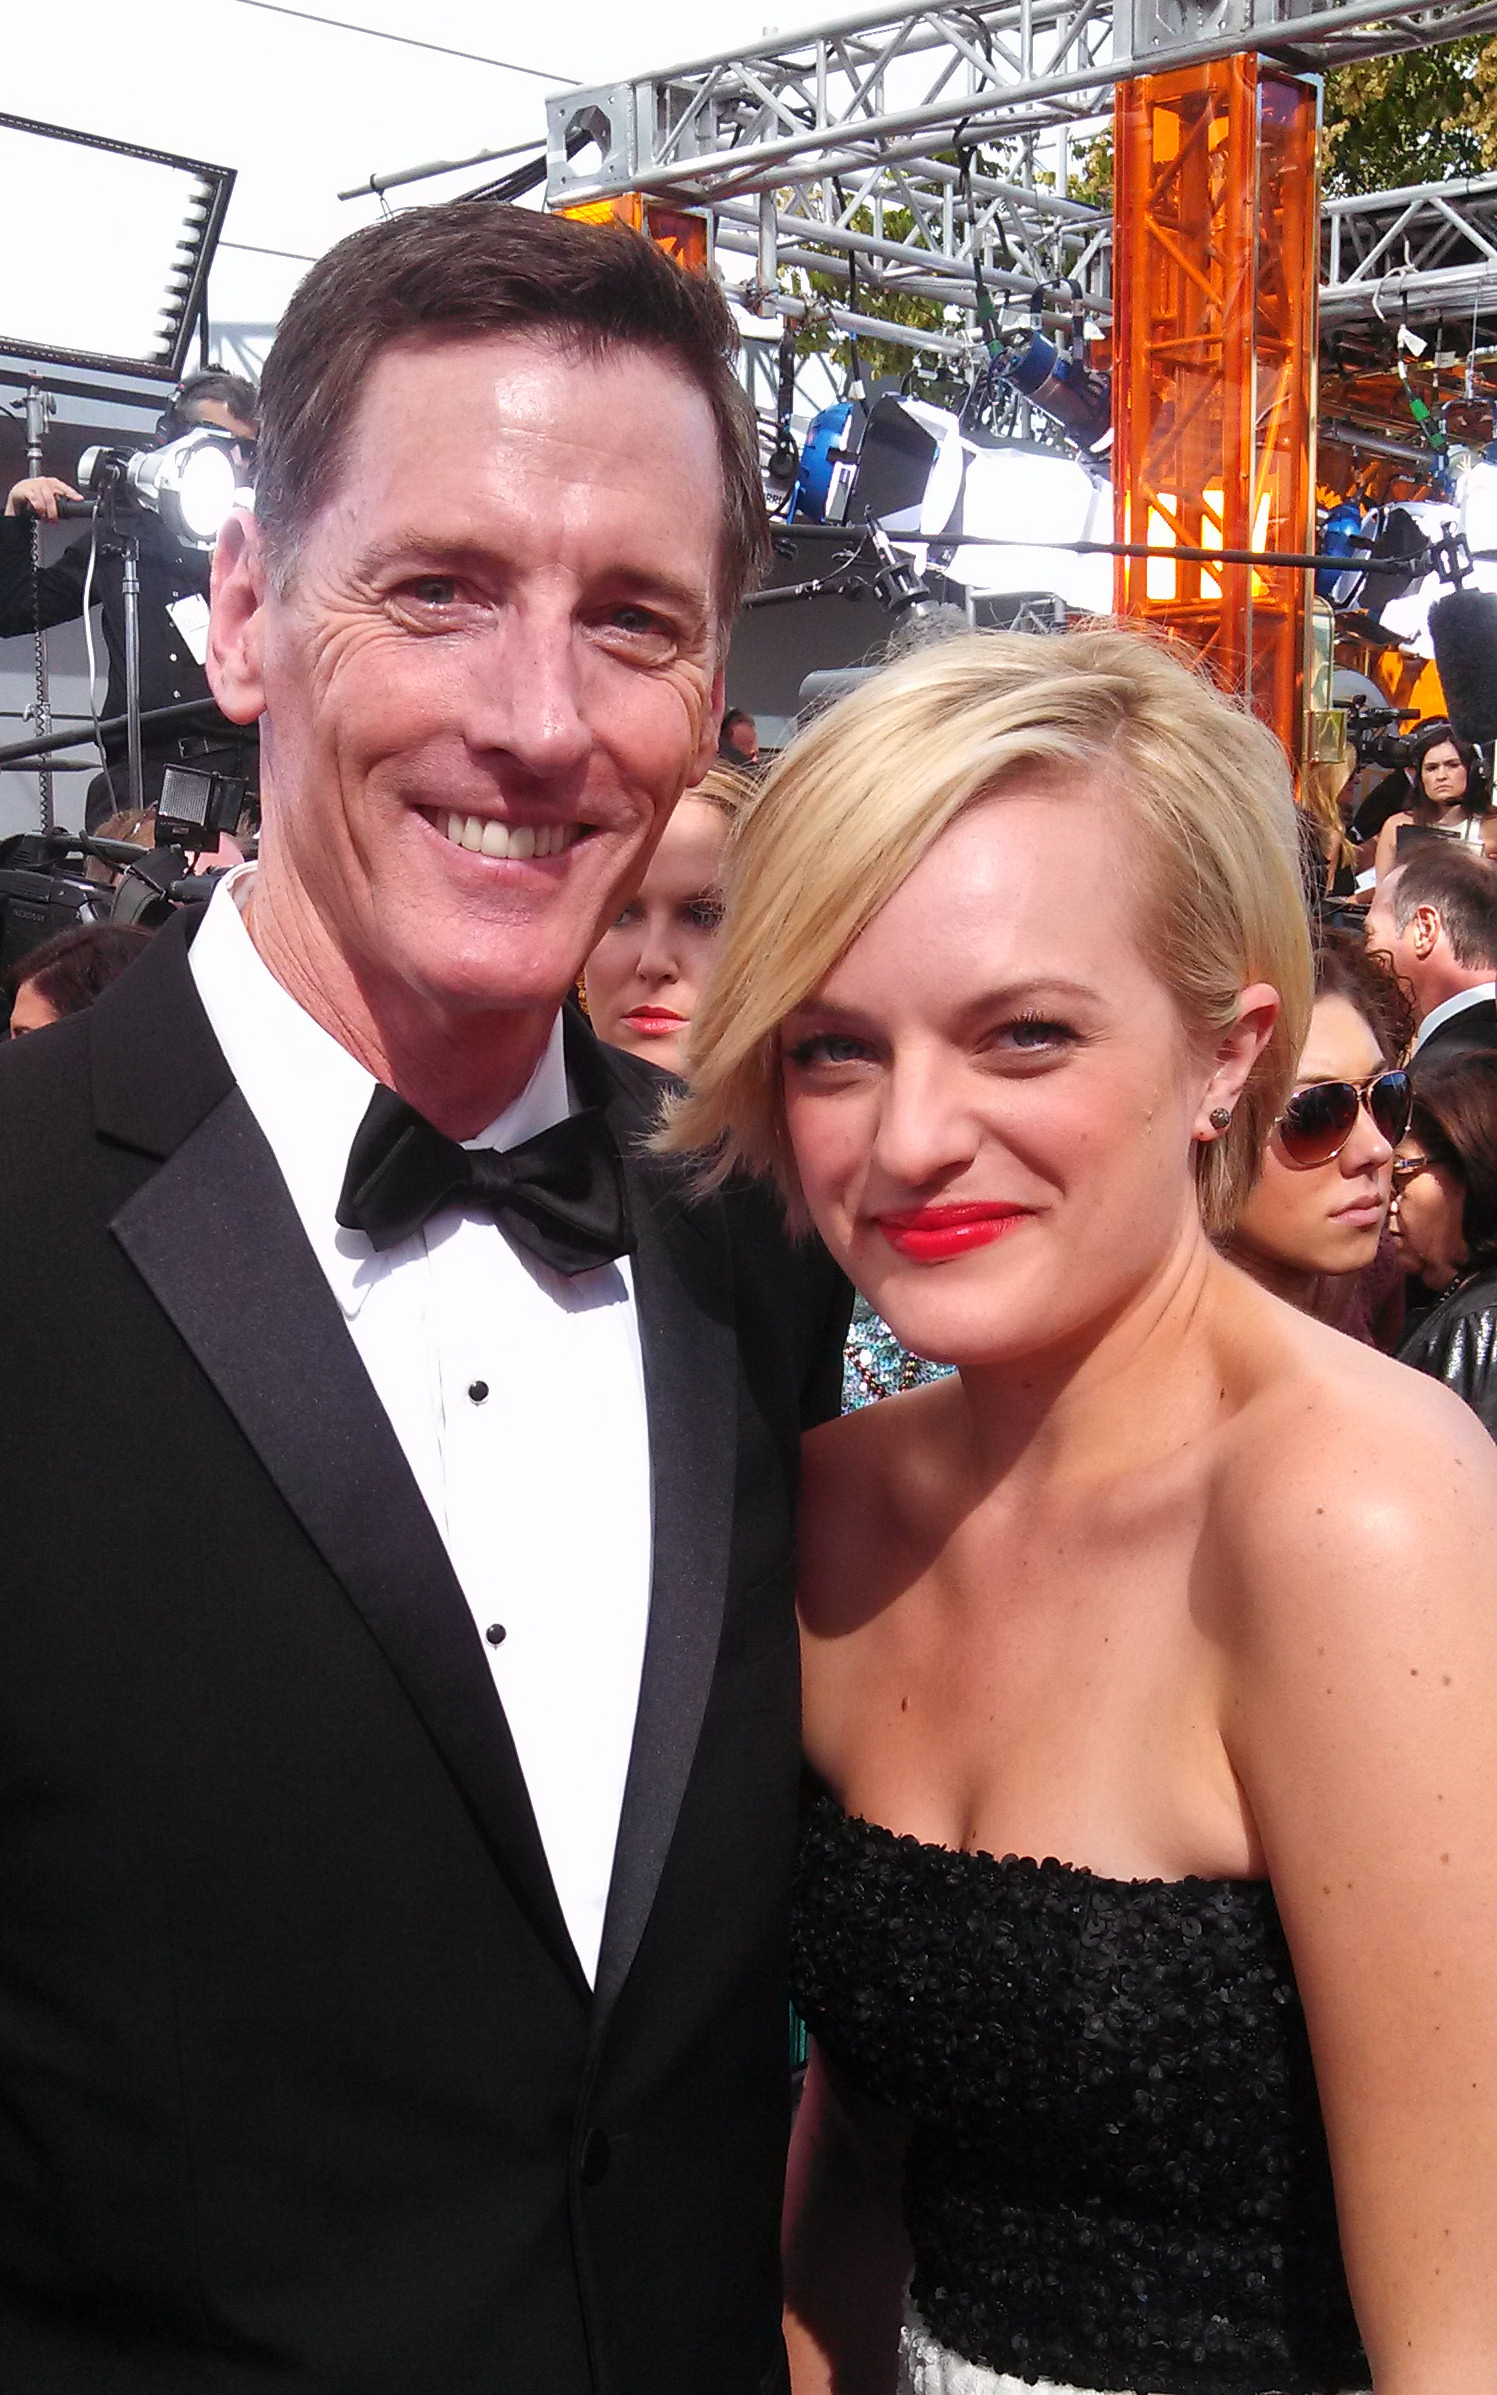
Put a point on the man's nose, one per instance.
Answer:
(528, 698)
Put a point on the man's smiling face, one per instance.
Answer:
(493, 665)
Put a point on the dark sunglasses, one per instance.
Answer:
(1317, 1122)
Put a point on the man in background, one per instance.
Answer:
(1435, 919)
(173, 607)
(738, 742)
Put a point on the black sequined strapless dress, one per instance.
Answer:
(1117, 2176)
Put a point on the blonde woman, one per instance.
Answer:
(1012, 985)
(646, 973)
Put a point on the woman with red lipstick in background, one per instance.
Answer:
(1312, 1229)
(1011, 989)
(645, 976)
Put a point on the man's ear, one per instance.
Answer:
(236, 631)
(1425, 929)
(1237, 1051)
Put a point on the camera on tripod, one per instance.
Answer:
(44, 887)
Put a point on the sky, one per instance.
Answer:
(304, 110)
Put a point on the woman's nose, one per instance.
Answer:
(925, 1130)
(1368, 1150)
(658, 960)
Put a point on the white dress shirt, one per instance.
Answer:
(517, 1396)
(1479, 994)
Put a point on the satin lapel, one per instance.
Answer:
(215, 1237)
(683, 1283)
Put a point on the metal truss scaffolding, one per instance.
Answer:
(898, 152)
(1426, 251)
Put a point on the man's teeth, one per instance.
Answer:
(490, 839)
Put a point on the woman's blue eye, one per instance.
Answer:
(827, 1047)
(1038, 1031)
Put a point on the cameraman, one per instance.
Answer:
(173, 606)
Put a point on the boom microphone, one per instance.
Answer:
(1463, 629)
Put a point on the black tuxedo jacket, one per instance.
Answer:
(301, 2085)
(1471, 1027)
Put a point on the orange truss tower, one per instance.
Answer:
(1215, 282)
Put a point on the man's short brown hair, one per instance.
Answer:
(475, 267)
(1461, 887)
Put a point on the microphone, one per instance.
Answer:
(1463, 629)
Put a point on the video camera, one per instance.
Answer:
(44, 887)
(1376, 739)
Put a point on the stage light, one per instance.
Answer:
(107, 248)
(1018, 493)
(1476, 499)
(924, 483)
(192, 484)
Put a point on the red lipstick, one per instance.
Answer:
(933, 1234)
(654, 1022)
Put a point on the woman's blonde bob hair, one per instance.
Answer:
(859, 797)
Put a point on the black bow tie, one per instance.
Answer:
(559, 1196)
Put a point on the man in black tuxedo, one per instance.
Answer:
(1435, 919)
(398, 1690)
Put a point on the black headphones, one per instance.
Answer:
(210, 382)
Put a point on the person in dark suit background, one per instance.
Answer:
(1435, 919)
(172, 607)
(398, 1782)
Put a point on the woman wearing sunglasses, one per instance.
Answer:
(1012, 986)
(1311, 1229)
(1445, 1225)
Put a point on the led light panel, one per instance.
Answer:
(107, 247)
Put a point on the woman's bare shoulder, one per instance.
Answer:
(870, 1486)
(1347, 1479)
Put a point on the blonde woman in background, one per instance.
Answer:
(647, 972)
(1013, 983)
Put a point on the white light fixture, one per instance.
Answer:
(192, 483)
(107, 248)
(1008, 510)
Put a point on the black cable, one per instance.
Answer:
(854, 391)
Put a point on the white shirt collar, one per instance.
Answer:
(1478, 995)
(309, 1096)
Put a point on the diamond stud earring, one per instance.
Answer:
(1220, 1117)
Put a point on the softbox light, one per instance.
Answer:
(107, 248)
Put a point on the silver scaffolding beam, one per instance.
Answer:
(898, 153)
(1425, 251)
(836, 150)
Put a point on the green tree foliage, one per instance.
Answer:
(1415, 118)
(896, 307)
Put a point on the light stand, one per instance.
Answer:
(128, 543)
(39, 405)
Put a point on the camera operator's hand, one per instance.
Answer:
(41, 494)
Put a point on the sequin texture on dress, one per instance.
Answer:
(1117, 2174)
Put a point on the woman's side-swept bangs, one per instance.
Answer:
(858, 798)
